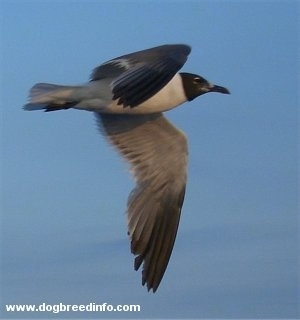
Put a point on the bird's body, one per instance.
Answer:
(128, 95)
(105, 104)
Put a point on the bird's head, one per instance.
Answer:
(195, 85)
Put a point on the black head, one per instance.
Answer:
(195, 85)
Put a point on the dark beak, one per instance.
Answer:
(220, 89)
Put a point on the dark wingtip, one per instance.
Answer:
(33, 107)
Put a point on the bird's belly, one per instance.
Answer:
(169, 97)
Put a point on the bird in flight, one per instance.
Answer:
(128, 95)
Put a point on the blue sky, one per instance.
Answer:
(64, 190)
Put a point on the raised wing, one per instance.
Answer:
(139, 75)
(157, 152)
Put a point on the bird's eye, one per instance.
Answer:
(197, 80)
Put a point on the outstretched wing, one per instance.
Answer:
(157, 152)
(139, 75)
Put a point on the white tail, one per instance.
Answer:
(50, 97)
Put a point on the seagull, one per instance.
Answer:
(128, 95)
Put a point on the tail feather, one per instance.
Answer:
(50, 97)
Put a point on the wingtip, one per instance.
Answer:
(149, 286)
(33, 107)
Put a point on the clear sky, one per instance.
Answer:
(64, 190)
